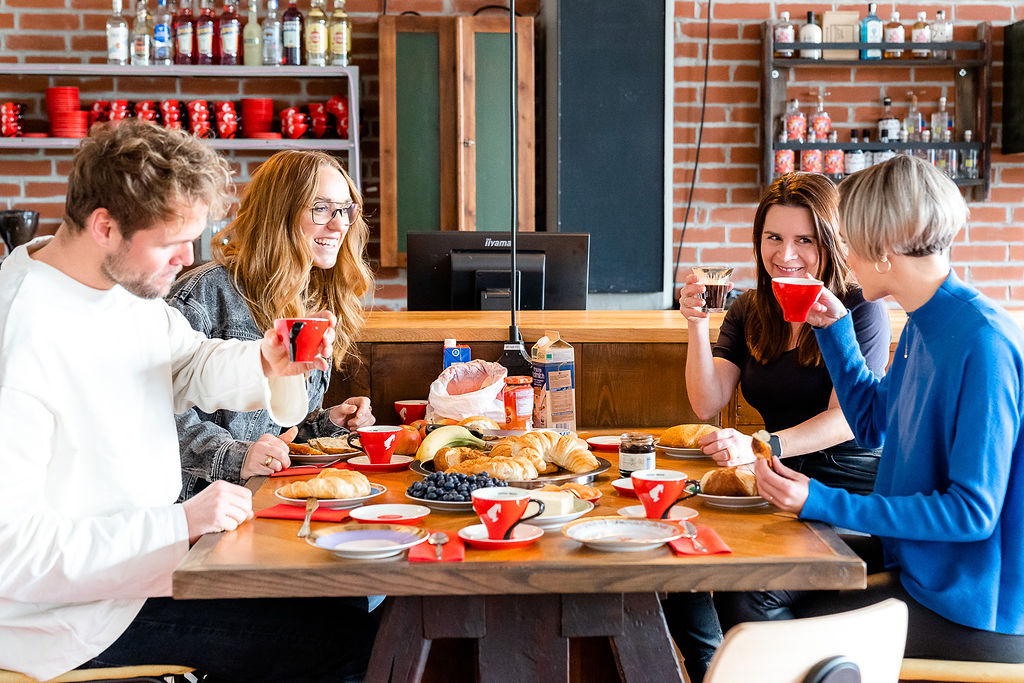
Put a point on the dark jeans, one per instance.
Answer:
(844, 467)
(247, 641)
(694, 626)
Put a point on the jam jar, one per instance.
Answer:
(636, 452)
(518, 399)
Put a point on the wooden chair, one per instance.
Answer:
(962, 672)
(142, 672)
(793, 651)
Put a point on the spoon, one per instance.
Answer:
(438, 539)
(311, 506)
(690, 532)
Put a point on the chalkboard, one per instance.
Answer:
(1013, 88)
(493, 137)
(610, 149)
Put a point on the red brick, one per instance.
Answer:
(735, 52)
(1018, 215)
(708, 155)
(979, 253)
(6, 21)
(90, 43)
(984, 213)
(17, 168)
(695, 73)
(51, 211)
(734, 93)
(749, 194)
(995, 292)
(1012, 176)
(698, 29)
(731, 174)
(714, 235)
(1005, 195)
(10, 190)
(742, 215)
(741, 114)
(36, 42)
(741, 10)
(50, 20)
(690, 113)
(1000, 233)
(709, 195)
(997, 273)
(725, 254)
(997, 14)
(1017, 254)
(45, 190)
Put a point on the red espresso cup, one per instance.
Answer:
(501, 508)
(302, 336)
(659, 490)
(377, 441)
(411, 410)
(796, 295)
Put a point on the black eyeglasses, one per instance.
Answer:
(323, 212)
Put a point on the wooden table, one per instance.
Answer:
(530, 600)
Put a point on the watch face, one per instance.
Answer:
(775, 445)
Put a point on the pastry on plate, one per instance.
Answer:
(333, 445)
(685, 436)
(303, 449)
(728, 481)
(330, 483)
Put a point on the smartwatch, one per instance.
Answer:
(775, 445)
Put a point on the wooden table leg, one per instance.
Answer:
(524, 640)
(400, 650)
(644, 649)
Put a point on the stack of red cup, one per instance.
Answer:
(318, 119)
(145, 110)
(119, 110)
(294, 123)
(62, 107)
(337, 107)
(227, 120)
(257, 115)
(170, 112)
(199, 118)
(10, 119)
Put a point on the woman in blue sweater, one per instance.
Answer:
(948, 505)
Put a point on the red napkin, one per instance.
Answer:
(452, 551)
(706, 535)
(309, 469)
(286, 511)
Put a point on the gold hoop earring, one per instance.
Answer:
(885, 260)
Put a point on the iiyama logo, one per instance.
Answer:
(488, 242)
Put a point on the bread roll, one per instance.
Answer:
(761, 448)
(509, 469)
(479, 422)
(453, 455)
(728, 481)
(685, 436)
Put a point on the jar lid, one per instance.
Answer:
(519, 379)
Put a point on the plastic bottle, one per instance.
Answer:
(252, 37)
(810, 33)
(163, 30)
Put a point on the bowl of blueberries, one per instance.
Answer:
(449, 491)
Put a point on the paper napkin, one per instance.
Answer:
(452, 551)
(706, 535)
(285, 511)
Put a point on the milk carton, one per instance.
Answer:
(554, 383)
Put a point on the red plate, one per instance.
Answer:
(624, 487)
(604, 443)
(397, 464)
(475, 536)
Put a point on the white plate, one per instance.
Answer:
(367, 541)
(604, 443)
(444, 505)
(475, 536)
(395, 513)
(678, 512)
(733, 501)
(337, 503)
(685, 453)
(580, 508)
(621, 534)
(319, 459)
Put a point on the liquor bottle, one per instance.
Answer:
(810, 159)
(291, 35)
(921, 32)
(142, 36)
(796, 122)
(316, 34)
(228, 30)
(185, 35)
(163, 30)
(881, 155)
(869, 156)
(810, 33)
(339, 33)
(272, 36)
(969, 159)
(927, 153)
(871, 31)
(942, 32)
(942, 155)
(912, 122)
(785, 159)
(252, 37)
(888, 124)
(894, 33)
(940, 120)
(784, 32)
(821, 122)
(853, 159)
(206, 29)
(835, 161)
(951, 161)
(117, 36)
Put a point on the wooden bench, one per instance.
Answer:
(963, 672)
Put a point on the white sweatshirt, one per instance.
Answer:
(90, 381)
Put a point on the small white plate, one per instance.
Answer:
(475, 536)
(337, 503)
(394, 513)
(580, 508)
(678, 512)
(604, 443)
(367, 541)
(733, 501)
(624, 487)
(443, 505)
(621, 534)
(684, 453)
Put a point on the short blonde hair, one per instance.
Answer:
(902, 206)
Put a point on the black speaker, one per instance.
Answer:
(1013, 89)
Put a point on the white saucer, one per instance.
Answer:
(677, 513)
(367, 541)
(393, 513)
(580, 508)
(475, 536)
(733, 501)
(620, 534)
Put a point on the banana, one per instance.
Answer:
(443, 437)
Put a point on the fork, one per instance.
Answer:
(311, 506)
(690, 532)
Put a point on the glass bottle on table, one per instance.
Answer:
(810, 33)
(229, 33)
(142, 36)
(206, 25)
(272, 51)
(185, 35)
(942, 32)
(894, 33)
(783, 32)
(117, 36)
(252, 37)
(291, 35)
(339, 35)
(921, 32)
(316, 34)
(872, 29)
(163, 33)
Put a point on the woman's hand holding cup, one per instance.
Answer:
(826, 310)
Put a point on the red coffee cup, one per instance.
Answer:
(302, 336)
(411, 410)
(501, 508)
(659, 490)
(796, 295)
(377, 441)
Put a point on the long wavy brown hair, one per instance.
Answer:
(767, 334)
(271, 259)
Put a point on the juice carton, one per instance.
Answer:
(455, 353)
(554, 383)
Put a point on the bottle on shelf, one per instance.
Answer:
(117, 36)
(784, 32)
(921, 32)
(853, 159)
(942, 32)
(969, 159)
(872, 29)
(142, 35)
(229, 32)
(835, 160)
(291, 35)
(785, 159)
(821, 122)
(869, 156)
(894, 33)
(926, 153)
(881, 155)
(810, 159)
(940, 120)
(206, 34)
(913, 122)
(272, 52)
(888, 125)
(796, 122)
(252, 37)
(163, 32)
(810, 33)
(904, 137)
(339, 35)
(316, 34)
(185, 35)
(950, 164)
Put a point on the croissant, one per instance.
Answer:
(571, 453)
(509, 469)
(447, 457)
(549, 448)
(330, 483)
(685, 436)
(728, 481)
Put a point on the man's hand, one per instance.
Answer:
(274, 351)
(353, 413)
(268, 454)
(219, 507)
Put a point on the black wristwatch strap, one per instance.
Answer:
(775, 445)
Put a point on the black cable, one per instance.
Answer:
(700, 136)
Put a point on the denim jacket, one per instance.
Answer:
(213, 446)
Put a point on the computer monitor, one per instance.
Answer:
(470, 271)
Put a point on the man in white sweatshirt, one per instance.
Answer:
(93, 367)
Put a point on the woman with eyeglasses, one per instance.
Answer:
(295, 248)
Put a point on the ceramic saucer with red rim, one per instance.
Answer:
(475, 536)
(624, 487)
(679, 513)
(390, 513)
(604, 443)
(363, 464)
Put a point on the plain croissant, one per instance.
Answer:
(507, 468)
(448, 457)
(330, 483)
(566, 451)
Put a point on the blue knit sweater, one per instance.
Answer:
(949, 498)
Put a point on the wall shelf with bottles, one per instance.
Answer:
(970, 63)
(350, 73)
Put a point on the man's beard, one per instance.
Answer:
(114, 268)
